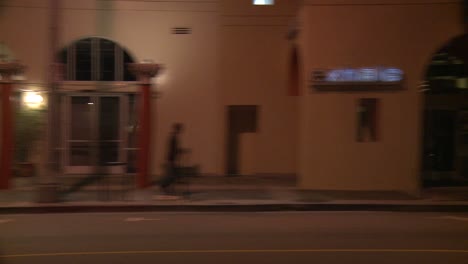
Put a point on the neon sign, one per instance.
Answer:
(377, 78)
(360, 75)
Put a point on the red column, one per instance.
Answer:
(144, 137)
(144, 71)
(7, 137)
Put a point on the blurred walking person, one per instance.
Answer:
(173, 157)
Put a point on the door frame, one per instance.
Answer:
(94, 124)
(238, 122)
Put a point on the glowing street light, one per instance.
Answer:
(32, 99)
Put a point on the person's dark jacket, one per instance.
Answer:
(173, 149)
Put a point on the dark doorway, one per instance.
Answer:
(240, 119)
(439, 140)
(445, 126)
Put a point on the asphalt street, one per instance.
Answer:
(280, 237)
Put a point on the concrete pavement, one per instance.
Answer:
(242, 193)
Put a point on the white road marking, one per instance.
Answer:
(230, 251)
(166, 197)
(450, 217)
(3, 221)
(139, 219)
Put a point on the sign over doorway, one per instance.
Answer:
(364, 79)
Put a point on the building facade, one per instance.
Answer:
(399, 34)
(241, 78)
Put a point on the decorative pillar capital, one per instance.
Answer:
(144, 71)
(10, 68)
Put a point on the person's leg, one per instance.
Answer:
(169, 178)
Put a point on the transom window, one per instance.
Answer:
(96, 59)
(448, 70)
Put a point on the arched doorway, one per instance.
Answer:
(101, 121)
(445, 145)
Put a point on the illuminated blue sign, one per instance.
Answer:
(358, 77)
(363, 75)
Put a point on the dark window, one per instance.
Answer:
(367, 114)
(448, 70)
(83, 60)
(107, 60)
(96, 59)
(128, 76)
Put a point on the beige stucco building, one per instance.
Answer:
(392, 33)
(240, 80)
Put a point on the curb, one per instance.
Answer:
(233, 208)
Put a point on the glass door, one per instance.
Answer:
(94, 133)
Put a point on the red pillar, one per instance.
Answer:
(144, 137)
(7, 137)
(144, 72)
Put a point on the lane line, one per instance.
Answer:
(458, 251)
(449, 217)
(139, 219)
(3, 221)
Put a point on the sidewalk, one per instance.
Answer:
(240, 193)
